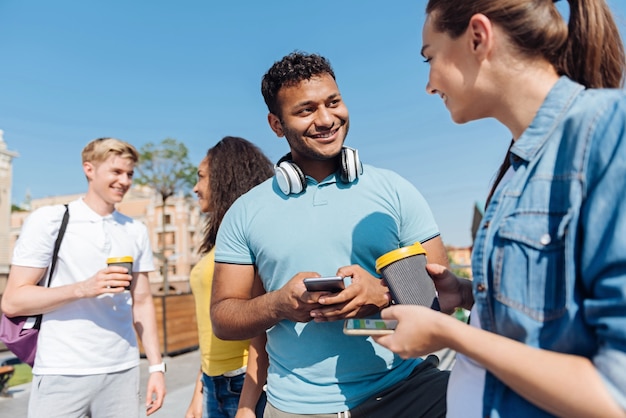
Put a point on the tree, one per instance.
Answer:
(166, 168)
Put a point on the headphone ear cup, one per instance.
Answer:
(289, 177)
(282, 179)
(351, 166)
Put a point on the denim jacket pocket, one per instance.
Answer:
(530, 270)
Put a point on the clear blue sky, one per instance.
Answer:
(72, 71)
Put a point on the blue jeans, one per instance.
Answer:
(221, 396)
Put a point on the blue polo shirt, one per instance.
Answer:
(314, 367)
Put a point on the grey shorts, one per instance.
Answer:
(114, 395)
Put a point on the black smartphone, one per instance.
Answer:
(333, 284)
(369, 326)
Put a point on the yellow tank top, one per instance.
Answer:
(218, 356)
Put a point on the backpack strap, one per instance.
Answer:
(57, 243)
(35, 321)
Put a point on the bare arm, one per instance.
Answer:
(145, 325)
(436, 252)
(196, 405)
(256, 376)
(562, 384)
(237, 314)
(22, 296)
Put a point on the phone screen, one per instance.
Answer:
(368, 326)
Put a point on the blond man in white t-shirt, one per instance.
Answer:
(87, 360)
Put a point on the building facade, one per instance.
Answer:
(6, 178)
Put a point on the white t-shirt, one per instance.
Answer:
(467, 384)
(90, 335)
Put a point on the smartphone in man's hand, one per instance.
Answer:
(333, 284)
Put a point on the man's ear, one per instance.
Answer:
(275, 124)
(89, 169)
(480, 32)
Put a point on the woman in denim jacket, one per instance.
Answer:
(547, 332)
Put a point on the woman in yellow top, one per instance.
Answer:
(231, 167)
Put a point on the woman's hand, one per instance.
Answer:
(420, 330)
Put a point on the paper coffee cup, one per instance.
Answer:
(126, 261)
(404, 270)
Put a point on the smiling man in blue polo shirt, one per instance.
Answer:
(324, 213)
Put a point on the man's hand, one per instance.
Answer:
(452, 291)
(365, 296)
(155, 392)
(112, 279)
(294, 302)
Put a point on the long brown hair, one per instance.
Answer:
(235, 166)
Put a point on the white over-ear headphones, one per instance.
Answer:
(291, 179)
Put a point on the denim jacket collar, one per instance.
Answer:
(549, 115)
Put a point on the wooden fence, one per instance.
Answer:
(180, 333)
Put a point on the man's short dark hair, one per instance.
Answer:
(289, 71)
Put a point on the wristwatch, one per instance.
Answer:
(157, 368)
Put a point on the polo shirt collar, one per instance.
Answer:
(80, 211)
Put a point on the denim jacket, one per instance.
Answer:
(549, 259)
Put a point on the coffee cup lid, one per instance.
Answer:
(398, 254)
(125, 259)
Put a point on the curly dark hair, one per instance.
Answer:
(235, 166)
(289, 71)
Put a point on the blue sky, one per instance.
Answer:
(72, 71)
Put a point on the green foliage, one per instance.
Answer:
(22, 374)
(461, 272)
(166, 168)
(461, 314)
(16, 208)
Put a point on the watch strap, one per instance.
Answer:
(157, 368)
